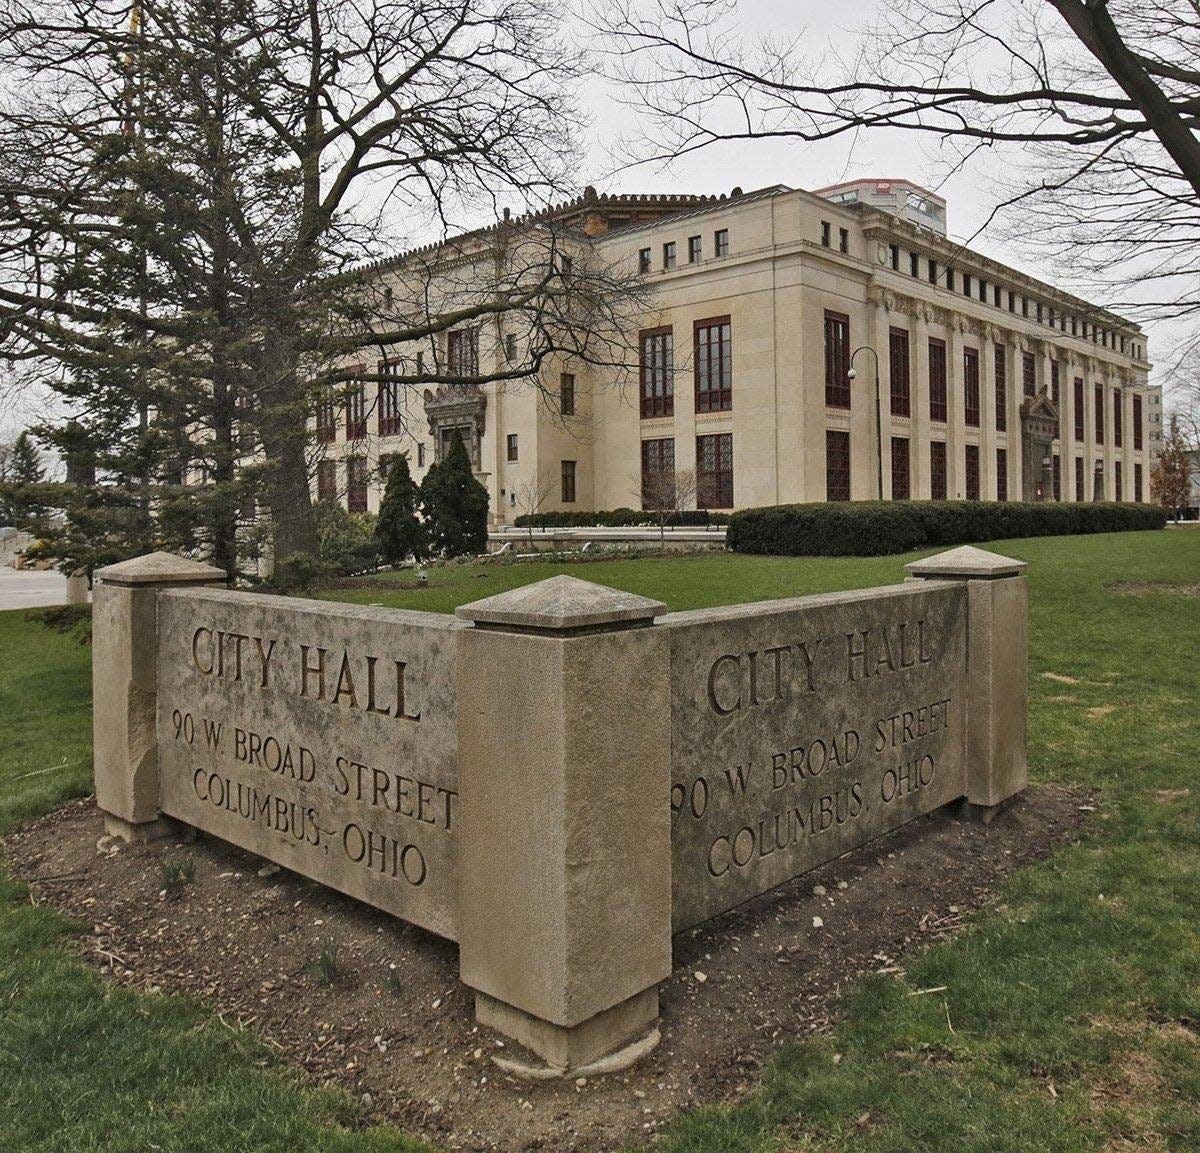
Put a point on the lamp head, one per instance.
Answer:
(852, 374)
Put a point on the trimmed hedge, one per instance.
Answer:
(619, 518)
(875, 528)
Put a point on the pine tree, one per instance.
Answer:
(1171, 480)
(22, 503)
(455, 505)
(25, 467)
(399, 529)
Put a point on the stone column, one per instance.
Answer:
(1068, 370)
(124, 690)
(77, 588)
(956, 428)
(1015, 397)
(565, 833)
(920, 403)
(997, 652)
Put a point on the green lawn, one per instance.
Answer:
(1071, 1019)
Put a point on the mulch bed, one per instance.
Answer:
(397, 1030)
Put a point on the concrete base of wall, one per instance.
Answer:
(567, 1049)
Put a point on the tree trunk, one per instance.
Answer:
(284, 431)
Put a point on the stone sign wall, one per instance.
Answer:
(562, 775)
(801, 729)
(320, 736)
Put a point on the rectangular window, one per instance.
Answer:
(1002, 474)
(643, 260)
(1001, 365)
(356, 410)
(1137, 483)
(566, 393)
(390, 422)
(462, 352)
(1012, 301)
(713, 360)
(658, 473)
(510, 347)
(1117, 493)
(568, 482)
(1078, 430)
(1057, 477)
(1029, 373)
(326, 417)
(933, 272)
(971, 388)
(899, 372)
(949, 279)
(327, 480)
(972, 463)
(714, 471)
(901, 481)
(656, 372)
(420, 454)
(721, 242)
(669, 254)
(937, 380)
(511, 443)
(1025, 306)
(914, 264)
(937, 470)
(983, 291)
(1039, 312)
(1137, 423)
(1079, 478)
(1098, 406)
(1054, 382)
(837, 360)
(356, 483)
(837, 465)
(1118, 422)
(996, 295)
(693, 249)
(825, 233)
(894, 250)
(966, 284)
(843, 240)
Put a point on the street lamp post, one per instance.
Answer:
(851, 376)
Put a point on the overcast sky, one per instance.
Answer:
(970, 193)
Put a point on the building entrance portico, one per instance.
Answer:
(1039, 428)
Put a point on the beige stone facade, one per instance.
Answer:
(992, 385)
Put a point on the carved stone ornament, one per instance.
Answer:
(461, 406)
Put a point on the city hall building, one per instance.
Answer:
(794, 346)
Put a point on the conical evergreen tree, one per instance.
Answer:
(455, 505)
(25, 465)
(399, 529)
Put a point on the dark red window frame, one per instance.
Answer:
(971, 387)
(901, 468)
(357, 483)
(356, 407)
(656, 371)
(1029, 373)
(1002, 474)
(1001, 369)
(837, 359)
(937, 379)
(714, 470)
(1098, 404)
(937, 470)
(327, 480)
(1137, 422)
(391, 422)
(1079, 414)
(837, 464)
(712, 360)
(658, 457)
(971, 463)
(899, 381)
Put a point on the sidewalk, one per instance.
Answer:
(28, 590)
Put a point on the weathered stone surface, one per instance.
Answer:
(345, 773)
(566, 876)
(802, 728)
(966, 562)
(561, 602)
(159, 568)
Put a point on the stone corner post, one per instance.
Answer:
(997, 653)
(124, 693)
(565, 832)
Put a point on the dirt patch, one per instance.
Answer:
(397, 1026)
(1099, 712)
(1060, 678)
(1142, 588)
